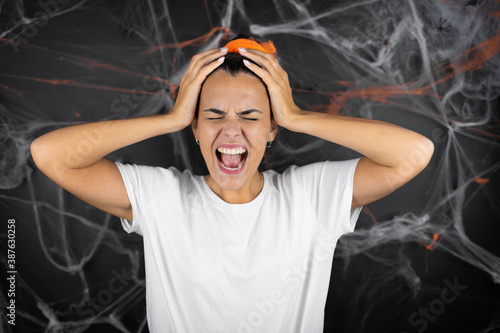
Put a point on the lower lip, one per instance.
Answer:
(231, 172)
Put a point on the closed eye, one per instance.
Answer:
(253, 119)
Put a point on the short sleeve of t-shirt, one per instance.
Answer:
(141, 181)
(329, 187)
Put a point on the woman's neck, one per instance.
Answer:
(245, 194)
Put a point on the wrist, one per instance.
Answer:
(296, 122)
(174, 123)
(180, 118)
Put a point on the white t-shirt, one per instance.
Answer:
(261, 266)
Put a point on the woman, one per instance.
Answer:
(235, 250)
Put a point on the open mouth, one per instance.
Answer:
(231, 159)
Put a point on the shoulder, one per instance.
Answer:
(293, 175)
(155, 175)
(146, 169)
(315, 167)
(331, 168)
(315, 172)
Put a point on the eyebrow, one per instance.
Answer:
(242, 113)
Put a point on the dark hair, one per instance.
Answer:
(233, 65)
(233, 62)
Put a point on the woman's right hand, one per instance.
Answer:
(202, 64)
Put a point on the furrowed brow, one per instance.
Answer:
(242, 113)
(214, 111)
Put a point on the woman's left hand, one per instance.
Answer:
(283, 107)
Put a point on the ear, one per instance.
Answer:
(274, 130)
(194, 127)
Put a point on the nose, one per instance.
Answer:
(231, 128)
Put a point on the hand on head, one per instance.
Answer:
(276, 79)
(202, 64)
(261, 53)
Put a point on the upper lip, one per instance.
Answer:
(231, 146)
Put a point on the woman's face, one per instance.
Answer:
(233, 112)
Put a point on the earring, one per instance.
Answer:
(197, 142)
(269, 143)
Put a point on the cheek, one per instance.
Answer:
(256, 137)
(207, 136)
(207, 132)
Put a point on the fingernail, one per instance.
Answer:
(242, 49)
(223, 49)
(221, 59)
(247, 62)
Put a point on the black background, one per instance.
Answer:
(430, 66)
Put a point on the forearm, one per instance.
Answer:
(384, 143)
(81, 145)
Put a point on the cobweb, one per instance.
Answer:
(431, 66)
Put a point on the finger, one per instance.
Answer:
(192, 76)
(191, 88)
(203, 73)
(202, 63)
(201, 59)
(267, 61)
(196, 58)
(264, 74)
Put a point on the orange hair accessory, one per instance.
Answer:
(251, 43)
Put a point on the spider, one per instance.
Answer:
(127, 29)
(441, 28)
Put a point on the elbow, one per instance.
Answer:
(38, 153)
(34, 150)
(46, 161)
(427, 148)
(416, 158)
(421, 154)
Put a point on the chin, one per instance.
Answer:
(230, 182)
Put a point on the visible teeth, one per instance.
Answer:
(232, 151)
